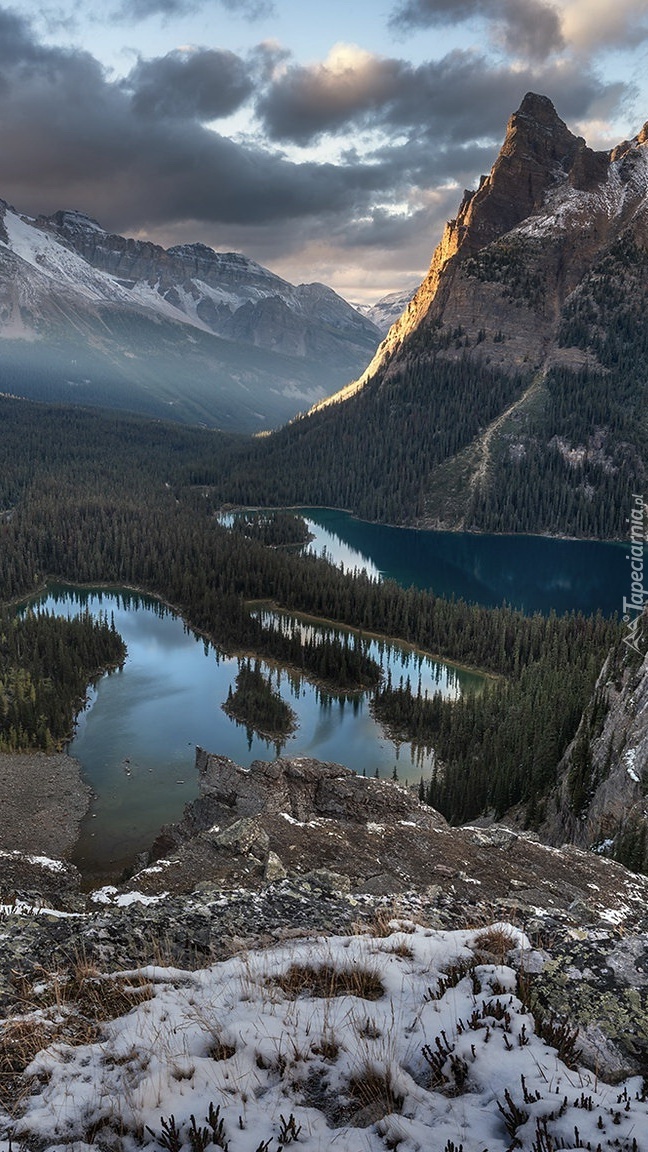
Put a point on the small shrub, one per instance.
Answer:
(289, 1130)
(453, 976)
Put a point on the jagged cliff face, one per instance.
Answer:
(187, 332)
(559, 204)
(535, 306)
(601, 800)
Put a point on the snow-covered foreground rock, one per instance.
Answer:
(401, 1037)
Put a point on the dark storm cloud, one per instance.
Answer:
(203, 84)
(141, 9)
(70, 138)
(462, 97)
(529, 28)
(135, 155)
(16, 43)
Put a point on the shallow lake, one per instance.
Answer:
(136, 738)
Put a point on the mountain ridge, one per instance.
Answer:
(186, 332)
(510, 396)
(539, 154)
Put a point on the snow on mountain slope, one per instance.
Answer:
(60, 268)
(185, 332)
(389, 308)
(622, 194)
(189, 283)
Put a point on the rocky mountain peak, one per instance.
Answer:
(543, 170)
(73, 219)
(541, 110)
(538, 150)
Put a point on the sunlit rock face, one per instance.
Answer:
(519, 246)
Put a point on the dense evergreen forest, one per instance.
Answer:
(579, 455)
(374, 453)
(46, 663)
(501, 747)
(274, 527)
(97, 499)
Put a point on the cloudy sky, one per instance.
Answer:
(327, 139)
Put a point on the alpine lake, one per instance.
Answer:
(136, 736)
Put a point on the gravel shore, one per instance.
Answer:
(42, 801)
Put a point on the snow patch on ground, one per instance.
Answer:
(42, 861)
(356, 1043)
(108, 895)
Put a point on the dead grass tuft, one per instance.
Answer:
(221, 1050)
(400, 948)
(494, 942)
(328, 981)
(328, 1048)
(101, 998)
(374, 1090)
(20, 1041)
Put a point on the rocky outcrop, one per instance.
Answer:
(369, 836)
(600, 800)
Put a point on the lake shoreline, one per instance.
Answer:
(418, 526)
(380, 637)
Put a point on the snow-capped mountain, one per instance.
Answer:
(186, 331)
(389, 308)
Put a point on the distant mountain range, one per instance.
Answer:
(187, 333)
(512, 393)
(389, 308)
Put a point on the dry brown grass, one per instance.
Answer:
(65, 1007)
(494, 943)
(328, 1048)
(221, 1050)
(400, 948)
(374, 1090)
(326, 981)
(20, 1040)
(388, 920)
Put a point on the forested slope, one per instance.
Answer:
(116, 501)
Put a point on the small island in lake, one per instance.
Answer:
(256, 704)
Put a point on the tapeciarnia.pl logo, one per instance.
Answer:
(634, 606)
